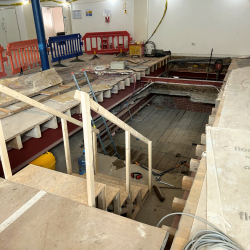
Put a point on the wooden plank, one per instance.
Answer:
(41, 106)
(5, 110)
(201, 211)
(178, 132)
(186, 222)
(66, 145)
(121, 85)
(95, 152)
(203, 139)
(150, 167)
(194, 164)
(112, 190)
(214, 203)
(4, 155)
(64, 185)
(172, 232)
(88, 145)
(164, 162)
(15, 143)
(128, 161)
(187, 183)
(199, 150)
(178, 205)
(51, 123)
(34, 133)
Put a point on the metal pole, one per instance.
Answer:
(38, 18)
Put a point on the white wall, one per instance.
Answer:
(219, 24)
(141, 20)
(118, 21)
(21, 23)
(58, 19)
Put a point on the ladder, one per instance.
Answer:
(101, 117)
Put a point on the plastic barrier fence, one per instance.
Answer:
(23, 55)
(3, 59)
(65, 47)
(106, 42)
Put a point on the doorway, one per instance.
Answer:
(9, 29)
(53, 21)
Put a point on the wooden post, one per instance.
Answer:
(88, 145)
(4, 154)
(178, 205)
(128, 161)
(150, 167)
(95, 153)
(66, 146)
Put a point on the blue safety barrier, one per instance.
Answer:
(65, 47)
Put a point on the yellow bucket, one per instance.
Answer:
(47, 160)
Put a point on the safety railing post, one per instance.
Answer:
(88, 145)
(150, 167)
(66, 145)
(128, 161)
(95, 152)
(4, 154)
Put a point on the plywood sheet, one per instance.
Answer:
(54, 222)
(232, 159)
(214, 205)
(54, 182)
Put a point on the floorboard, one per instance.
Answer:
(174, 134)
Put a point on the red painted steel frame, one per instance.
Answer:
(211, 76)
(181, 81)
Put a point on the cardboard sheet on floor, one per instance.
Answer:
(232, 163)
(30, 84)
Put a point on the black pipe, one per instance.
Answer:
(209, 63)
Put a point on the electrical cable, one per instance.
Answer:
(207, 238)
(166, 7)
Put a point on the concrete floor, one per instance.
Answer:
(174, 134)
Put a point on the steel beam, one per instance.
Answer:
(180, 81)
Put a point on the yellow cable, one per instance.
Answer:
(166, 6)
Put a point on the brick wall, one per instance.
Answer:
(182, 102)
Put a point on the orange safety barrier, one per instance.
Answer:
(106, 42)
(3, 59)
(23, 55)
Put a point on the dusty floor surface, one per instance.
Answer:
(174, 134)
